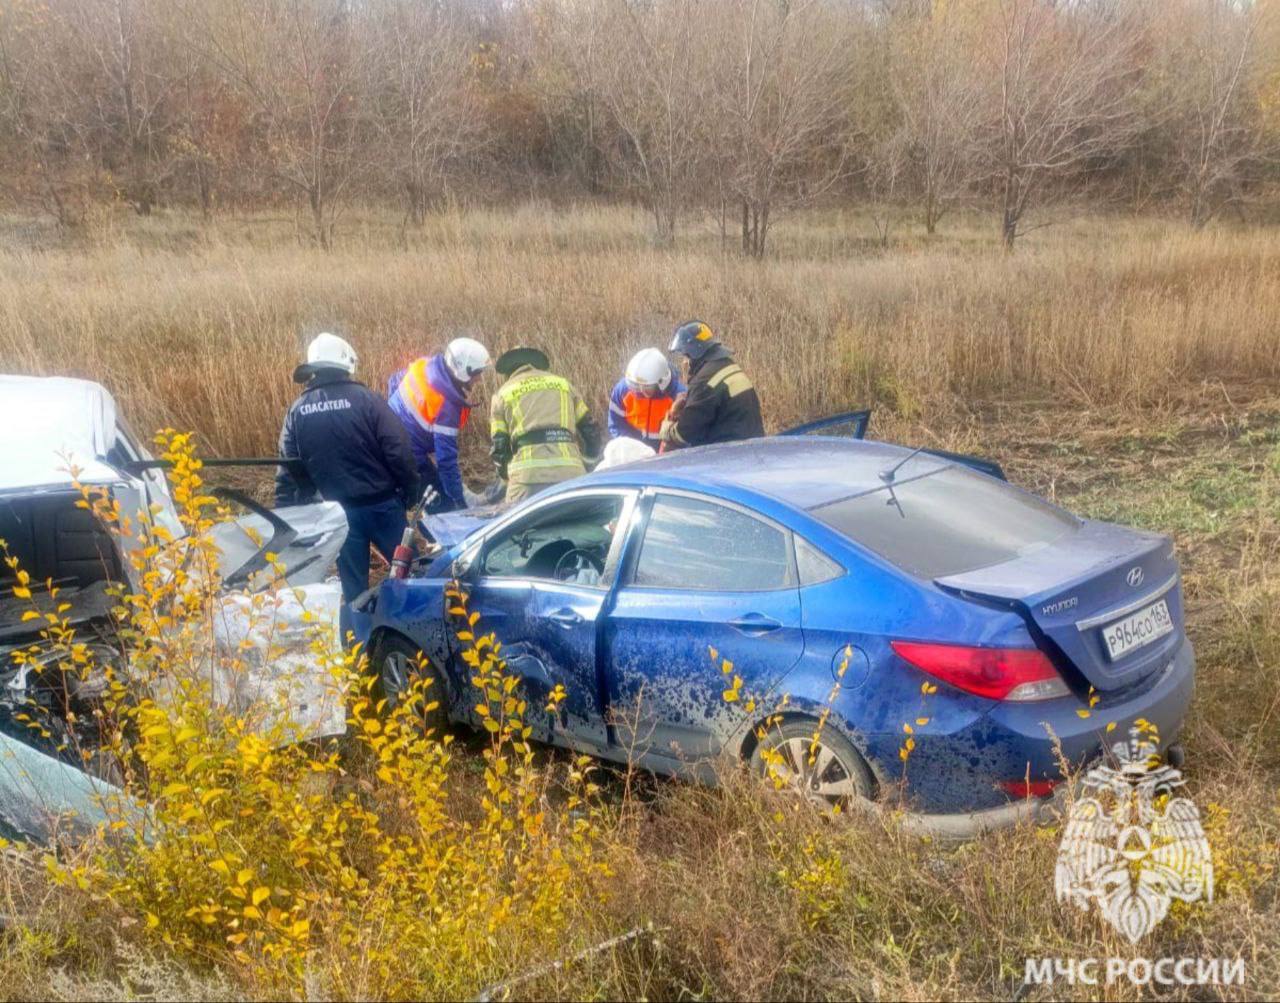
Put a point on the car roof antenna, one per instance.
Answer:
(888, 475)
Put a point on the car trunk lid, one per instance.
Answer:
(1072, 590)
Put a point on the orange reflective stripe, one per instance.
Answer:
(645, 414)
(424, 398)
(426, 402)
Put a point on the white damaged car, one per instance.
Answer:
(50, 426)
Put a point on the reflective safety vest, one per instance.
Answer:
(427, 404)
(540, 412)
(639, 417)
(433, 410)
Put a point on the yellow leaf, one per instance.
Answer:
(21, 592)
(152, 921)
(730, 696)
(922, 721)
(244, 877)
(221, 867)
(1082, 713)
(906, 727)
(252, 912)
(30, 615)
(1111, 727)
(260, 895)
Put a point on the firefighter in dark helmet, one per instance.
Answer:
(542, 430)
(721, 404)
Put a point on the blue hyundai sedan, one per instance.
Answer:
(977, 620)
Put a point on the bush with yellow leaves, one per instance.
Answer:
(349, 868)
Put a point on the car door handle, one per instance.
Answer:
(755, 624)
(566, 618)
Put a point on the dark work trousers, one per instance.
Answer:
(381, 524)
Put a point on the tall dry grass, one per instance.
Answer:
(200, 329)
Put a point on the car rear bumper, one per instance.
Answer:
(957, 773)
(970, 825)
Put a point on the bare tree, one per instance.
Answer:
(1212, 112)
(43, 79)
(782, 95)
(938, 96)
(127, 42)
(886, 166)
(424, 115)
(1059, 95)
(653, 81)
(564, 42)
(298, 65)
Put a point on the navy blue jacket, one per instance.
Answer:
(352, 448)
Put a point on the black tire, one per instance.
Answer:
(837, 777)
(396, 661)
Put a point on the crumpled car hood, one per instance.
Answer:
(451, 528)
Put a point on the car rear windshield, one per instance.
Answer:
(948, 521)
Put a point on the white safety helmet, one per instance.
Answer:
(648, 368)
(328, 350)
(466, 358)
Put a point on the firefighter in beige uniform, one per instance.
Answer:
(540, 425)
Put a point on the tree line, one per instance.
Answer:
(740, 110)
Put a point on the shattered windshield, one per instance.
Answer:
(948, 521)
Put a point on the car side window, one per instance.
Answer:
(565, 542)
(814, 566)
(691, 543)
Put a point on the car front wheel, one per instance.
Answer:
(828, 771)
(399, 663)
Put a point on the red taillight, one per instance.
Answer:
(1028, 789)
(996, 673)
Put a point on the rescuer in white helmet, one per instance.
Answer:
(642, 399)
(347, 447)
(432, 398)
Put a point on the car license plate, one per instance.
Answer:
(1134, 631)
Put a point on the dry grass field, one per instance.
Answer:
(1127, 369)
(201, 329)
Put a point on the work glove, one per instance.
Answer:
(500, 452)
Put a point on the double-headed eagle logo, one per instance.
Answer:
(1130, 845)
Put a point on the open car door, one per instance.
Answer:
(853, 425)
